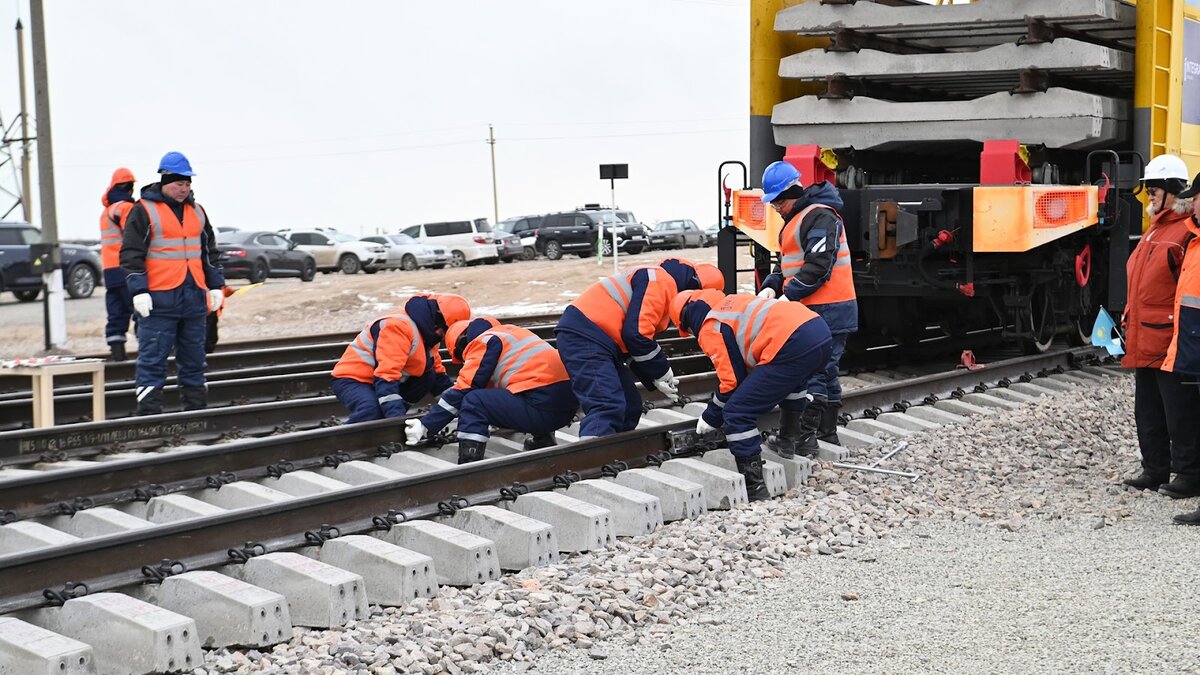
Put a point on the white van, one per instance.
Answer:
(469, 242)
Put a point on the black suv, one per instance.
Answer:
(81, 267)
(576, 232)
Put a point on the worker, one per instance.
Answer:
(814, 269)
(616, 319)
(393, 362)
(117, 201)
(764, 352)
(510, 378)
(1164, 407)
(169, 257)
(1183, 355)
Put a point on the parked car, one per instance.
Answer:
(335, 250)
(631, 235)
(407, 253)
(80, 266)
(563, 233)
(524, 227)
(508, 247)
(470, 242)
(710, 234)
(256, 255)
(676, 234)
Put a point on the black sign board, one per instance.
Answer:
(614, 171)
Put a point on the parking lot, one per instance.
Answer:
(336, 302)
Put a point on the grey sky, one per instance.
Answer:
(374, 114)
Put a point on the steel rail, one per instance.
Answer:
(111, 561)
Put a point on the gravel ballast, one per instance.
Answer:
(1015, 551)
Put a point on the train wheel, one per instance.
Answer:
(1041, 327)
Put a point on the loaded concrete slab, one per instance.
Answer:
(26, 649)
(228, 612)
(392, 575)
(723, 489)
(578, 525)
(773, 472)
(318, 595)
(520, 541)
(633, 512)
(678, 497)
(460, 558)
(26, 535)
(304, 484)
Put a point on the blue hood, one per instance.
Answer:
(421, 310)
(821, 193)
(684, 274)
(693, 316)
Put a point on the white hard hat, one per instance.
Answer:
(1166, 166)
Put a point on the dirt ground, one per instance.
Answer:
(335, 302)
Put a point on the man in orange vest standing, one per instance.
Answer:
(510, 379)
(117, 201)
(814, 269)
(169, 256)
(764, 352)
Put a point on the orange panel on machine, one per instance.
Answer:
(1018, 218)
(755, 219)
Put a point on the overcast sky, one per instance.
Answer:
(373, 115)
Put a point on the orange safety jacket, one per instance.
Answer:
(112, 231)
(389, 348)
(175, 248)
(607, 303)
(1152, 271)
(1183, 355)
(839, 287)
(526, 361)
(760, 328)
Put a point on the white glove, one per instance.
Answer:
(668, 385)
(216, 296)
(703, 427)
(414, 431)
(768, 293)
(142, 304)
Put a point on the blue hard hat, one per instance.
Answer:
(175, 162)
(778, 177)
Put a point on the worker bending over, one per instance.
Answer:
(814, 269)
(510, 378)
(393, 362)
(614, 320)
(764, 352)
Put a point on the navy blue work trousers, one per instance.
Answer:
(543, 410)
(158, 336)
(118, 304)
(824, 384)
(362, 402)
(602, 382)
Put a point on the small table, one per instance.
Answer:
(43, 386)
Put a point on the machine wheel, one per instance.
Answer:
(408, 263)
(457, 259)
(259, 272)
(1041, 322)
(81, 281)
(309, 272)
(553, 250)
(27, 295)
(349, 264)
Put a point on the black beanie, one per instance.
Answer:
(173, 178)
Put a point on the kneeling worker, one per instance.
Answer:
(510, 378)
(764, 352)
(394, 361)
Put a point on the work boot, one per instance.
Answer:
(827, 430)
(810, 423)
(1182, 487)
(1146, 481)
(537, 441)
(784, 444)
(470, 451)
(193, 398)
(751, 469)
(1192, 518)
(149, 402)
(118, 351)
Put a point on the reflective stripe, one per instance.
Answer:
(472, 437)
(514, 356)
(142, 392)
(796, 396)
(647, 357)
(796, 260)
(366, 351)
(619, 288)
(741, 435)
(389, 398)
(746, 324)
(447, 407)
(718, 402)
(1192, 301)
(154, 254)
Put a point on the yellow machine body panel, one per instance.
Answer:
(1019, 218)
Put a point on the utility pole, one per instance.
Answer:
(495, 194)
(26, 184)
(56, 314)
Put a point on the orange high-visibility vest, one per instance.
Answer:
(394, 354)
(112, 231)
(1183, 355)
(175, 248)
(839, 287)
(606, 303)
(760, 327)
(526, 361)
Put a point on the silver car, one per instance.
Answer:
(407, 253)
